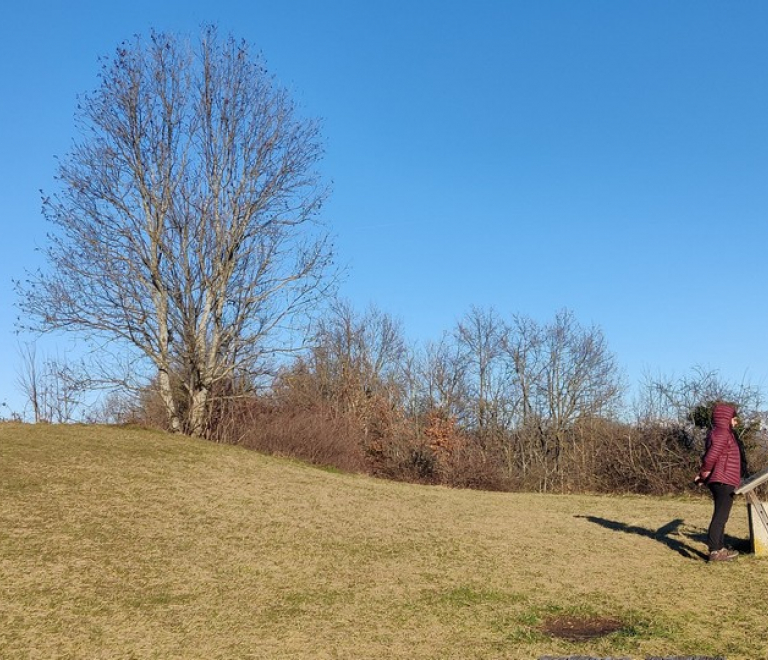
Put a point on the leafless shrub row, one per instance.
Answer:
(495, 405)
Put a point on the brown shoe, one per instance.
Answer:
(724, 554)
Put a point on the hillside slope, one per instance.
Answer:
(122, 543)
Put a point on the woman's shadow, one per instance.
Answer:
(670, 535)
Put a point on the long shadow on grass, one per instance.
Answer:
(663, 535)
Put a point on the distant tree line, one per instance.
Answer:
(498, 404)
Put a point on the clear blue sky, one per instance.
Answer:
(610, 157)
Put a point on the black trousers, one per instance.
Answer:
(722, 494)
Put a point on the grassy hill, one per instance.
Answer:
(126, 544)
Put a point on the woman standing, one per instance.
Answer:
(721, 470)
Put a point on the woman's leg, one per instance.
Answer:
(722, 494)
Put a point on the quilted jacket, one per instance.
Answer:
(722, 457)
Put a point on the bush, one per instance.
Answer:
(312, 435)
(652, 459)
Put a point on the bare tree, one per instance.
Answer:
(54, 386)
(442, 378)
(359, 359)
(563, 374)
(522, 345)
(480, 337)
(186, 217)
(581, 377)
(28, 378)
(686, 403)
(665, 398)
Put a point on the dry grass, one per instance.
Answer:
(132, 544)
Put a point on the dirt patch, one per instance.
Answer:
(576, 628)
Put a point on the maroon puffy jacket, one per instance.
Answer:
(722, 457)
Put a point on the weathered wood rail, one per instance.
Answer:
(758, 517)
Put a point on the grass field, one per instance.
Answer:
(120, 543)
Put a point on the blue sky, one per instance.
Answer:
(606, 157)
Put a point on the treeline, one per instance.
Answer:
(496, 404)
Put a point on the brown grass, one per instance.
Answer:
(119, 543)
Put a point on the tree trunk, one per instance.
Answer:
(197, 411)
(166, 393)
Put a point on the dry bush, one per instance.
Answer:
(652, 459)
(473, 466)
(145, 410)
(598, 455)
(395, 449)
(436, 452)
(413, 459)
(401, 458)
(313, 435)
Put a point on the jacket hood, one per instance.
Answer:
(722, 415)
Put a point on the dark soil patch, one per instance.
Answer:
(577, 629)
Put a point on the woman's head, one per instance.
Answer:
(724, 415)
